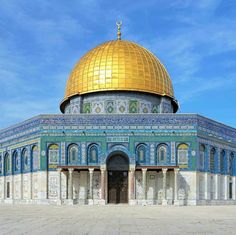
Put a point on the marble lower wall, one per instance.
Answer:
(53, 185)
(154, 186)
(83, 185)
(2, 186)
(187, 188)
(27, 186)
(194, 188)
(216, 186)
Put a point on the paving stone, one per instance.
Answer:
(123, 219)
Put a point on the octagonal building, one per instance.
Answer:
(118, 140)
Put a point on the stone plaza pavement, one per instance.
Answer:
(117, 219)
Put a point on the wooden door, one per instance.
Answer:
(117, 187)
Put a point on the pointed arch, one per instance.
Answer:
(72, 153)
(212, 159)
(25, 159)
(93, 154)
(231, 164)
(141, 152)
(117, 161)
(7, 163)
(182, 152)
(162, 153)
(222, 161)
(53, 154)
(16, 160)
(35, 157)
(202, 156)
(1, 164)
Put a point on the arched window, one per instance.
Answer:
(93, 154)
(222, 163)
(161, 153)
(183, 154)
(25, 159)
(73, 153)
(53, 154)
(35, 157)
(141, 153)
(212, 159)
(7, 163)
(231, 164)
(16, 160)
(1, 165)
(202, 151)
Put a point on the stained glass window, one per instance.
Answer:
(73, 153)
(93, 154)
(141, 152)
(222, 158)
(212, 159)
(25, 158)
(202, 150)
(1, 164)
(183, 154)
(7, 163)
(231, 163)
(53, 154)
(36, 157)
(16, 161)
(162, 153)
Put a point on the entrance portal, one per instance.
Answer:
(117, 167)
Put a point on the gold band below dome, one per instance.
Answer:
(119, 65)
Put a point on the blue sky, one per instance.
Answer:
(40, 41)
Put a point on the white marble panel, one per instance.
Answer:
(96, 185)
(64, 185)
(53, 184)
(2, 187)
(17, 186)
(83, 185)
(138, 185)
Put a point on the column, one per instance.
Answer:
(164, 201)
(216, 187)
(4, 186)
(234, 187)
(106, 185)
(31, 178)
(31, 182)
(103, 172)
(226, 196)
(144, 181)
(91, 170)
(206, 186)
(12, 187)
(21, 186)
(70, 184)
(131, 183)
(176, 174)
(59, 183)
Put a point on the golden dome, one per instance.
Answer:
(118, 65)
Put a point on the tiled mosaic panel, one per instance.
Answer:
(133, 106)
(86, 107)
(121, 102)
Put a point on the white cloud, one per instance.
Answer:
(202, 85)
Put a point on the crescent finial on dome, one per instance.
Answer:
(118, 23)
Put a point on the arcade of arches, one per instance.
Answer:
(118, 181)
